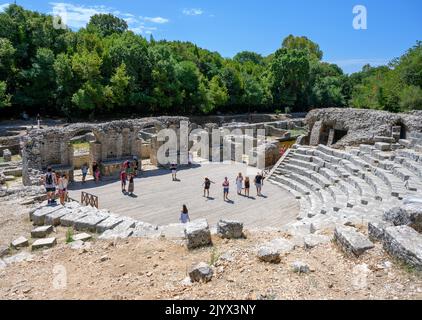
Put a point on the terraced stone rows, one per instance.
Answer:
(348, 186)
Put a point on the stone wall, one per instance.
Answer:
(360, 126)
(113, 141)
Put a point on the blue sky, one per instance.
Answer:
(231, 26)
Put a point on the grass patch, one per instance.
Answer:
(69, 235)
(297, 132)
(15, 158)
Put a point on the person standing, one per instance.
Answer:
(247, 186)
(239, 183)
(131, 187)
(84, 172)
(136, 165)
(62, 186)
(184, 215)
(39, 121)
(97, 175)
(50, 182)
(226, 185)
(173, 169)
(258, 183)
(123, 179)
(207, 186)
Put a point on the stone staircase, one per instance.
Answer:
(352, 186)
(102, 222)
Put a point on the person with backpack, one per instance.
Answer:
(50, 182)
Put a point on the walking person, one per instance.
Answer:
(84, 172)
(239, 183)
(62, 185)
(123, 179)
(173, 169)
(226, 185)
(131, 187)
(50, 182)
(207, 186)
(258, 183)
(184, 215)
(247, 186)
(97, 175)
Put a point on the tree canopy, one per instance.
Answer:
(105, 69)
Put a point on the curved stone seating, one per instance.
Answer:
(350, 187)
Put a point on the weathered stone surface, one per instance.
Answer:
(20, 242)
(89, 222)
(201, 272)
(146, 230)
(109, 223)
(53, 218)
(7, 155)
(229, 229)
(174, 231)
(44, 243)
(300, 267)
(362, 126)
(313, 240)
(408, 214)
(405, 244)
(69, 220)
(197, 234)
(2, 264)
(21, 256)
(4, 250)
(82, 237)
(269, 254)
(41, 232)
(376, 229)
(382, 146)
(38, 216)
(352, 241)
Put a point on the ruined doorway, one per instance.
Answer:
(82, 151)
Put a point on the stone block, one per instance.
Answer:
(408, 214)
(229, 229)
(82, 237)
(109, 223)
(20, 242)
(53, 218)
(376, 230)
(7, 155)
(404, 243)
(41, 232)
(38, 216)
(382, 146)
(352, 241)
(269, 254)
(201, 272)
(314, 240)
(44, 243)
(198, 234)
(89, 222)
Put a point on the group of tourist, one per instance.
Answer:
(128, 173)
(242, 183)
(56, 185)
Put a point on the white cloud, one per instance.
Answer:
(193, 12)
(159, 20)
(3, 6)
(77, 16)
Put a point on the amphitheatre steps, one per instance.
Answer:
(353, 185)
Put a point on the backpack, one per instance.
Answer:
(49, 179)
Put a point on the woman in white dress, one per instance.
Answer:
(239, 183)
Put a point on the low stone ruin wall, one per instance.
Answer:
(342, 127)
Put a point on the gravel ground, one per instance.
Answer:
(155, 269)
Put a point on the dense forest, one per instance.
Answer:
(104, 69)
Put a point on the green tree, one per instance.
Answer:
(106, 24)
(4, 97)
(303, 43)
